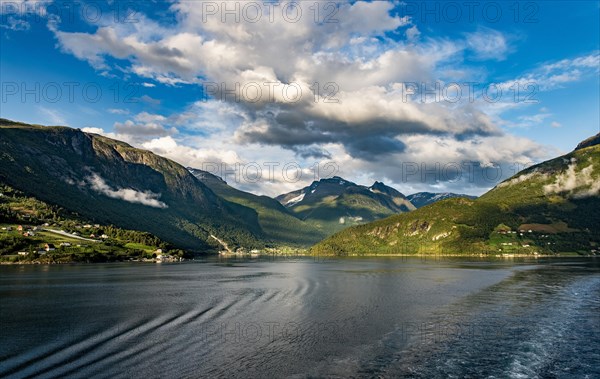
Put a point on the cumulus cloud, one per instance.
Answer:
(239, 169)
(144, 126)
(353, 62)
(354, 107)
(190, 156)
(132, 129)
(574, 183)
(130, 195)
(94, 130)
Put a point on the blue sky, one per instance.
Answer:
(139, 72)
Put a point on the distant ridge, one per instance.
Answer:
(421, 199)
(592, 141)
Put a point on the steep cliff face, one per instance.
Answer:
(112, 182)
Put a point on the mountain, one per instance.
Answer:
(592, 141)
(278, 223)
(421, 199)
(391, 198)
(335, 203)
(548, 208)
(110, 182)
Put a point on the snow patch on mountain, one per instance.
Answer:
(295, 200)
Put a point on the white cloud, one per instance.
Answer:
(15, 24)
(555, 75)
(94, 130)
(130, 195)
(531, 120)
(190, 156)
(142, 130)
(16, 13)
(413, 33)
(24, 6)
(487, 44)
(149, 100)
(545, 77)
(574, 183)
(118, 111)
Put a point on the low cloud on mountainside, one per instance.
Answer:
(576, 184)
(148, 198)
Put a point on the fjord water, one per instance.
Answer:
(375, 317)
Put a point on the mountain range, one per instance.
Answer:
(334, 203)
(278, 223)
(547, 208)
(111, 182)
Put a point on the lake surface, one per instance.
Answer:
(371, 317)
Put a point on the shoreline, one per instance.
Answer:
(283, 256)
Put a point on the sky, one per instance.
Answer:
(424, 96)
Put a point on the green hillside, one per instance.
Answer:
(29, 226)
(548, 208)
(277, 222)
(110, 182)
